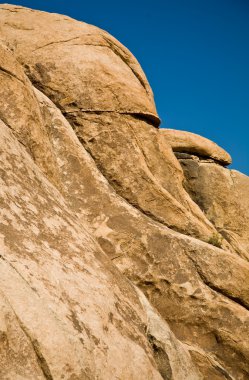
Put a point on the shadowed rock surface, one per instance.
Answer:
(123, 254)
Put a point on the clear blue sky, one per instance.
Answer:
(195, 54)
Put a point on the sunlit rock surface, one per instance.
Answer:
(124, 248)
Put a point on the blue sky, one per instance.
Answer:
(195, 54)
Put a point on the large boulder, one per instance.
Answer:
(187, 142)
(113, 79)
(86, 216)
(101, 89)
(222, 194)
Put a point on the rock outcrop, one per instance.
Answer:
(124, 247)
(187, 142)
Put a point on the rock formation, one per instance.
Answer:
(124, 247)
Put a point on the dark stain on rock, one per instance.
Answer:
(76, 323)
(107, 246)
(161, 358)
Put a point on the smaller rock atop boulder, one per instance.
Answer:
(187, 142)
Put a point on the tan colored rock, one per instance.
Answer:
(98, 59)
(164, 199)
(17, 357)
(223, 196)
(63, 289)
(19, 110)
(114, 103)
(68, 303)
(188, 142)
(177, 363)
(145, 251)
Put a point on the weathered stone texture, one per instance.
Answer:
(124, 248)
(188, 142)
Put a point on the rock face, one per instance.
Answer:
(223, 196)
(124, 248)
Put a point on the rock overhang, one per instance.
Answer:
(191, 143)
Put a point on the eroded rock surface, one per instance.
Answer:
(115, 97)
(118, 256)
(223, 196)
(187, 142)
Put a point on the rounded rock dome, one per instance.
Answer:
(94, 70)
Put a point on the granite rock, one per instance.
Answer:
(114, 261)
